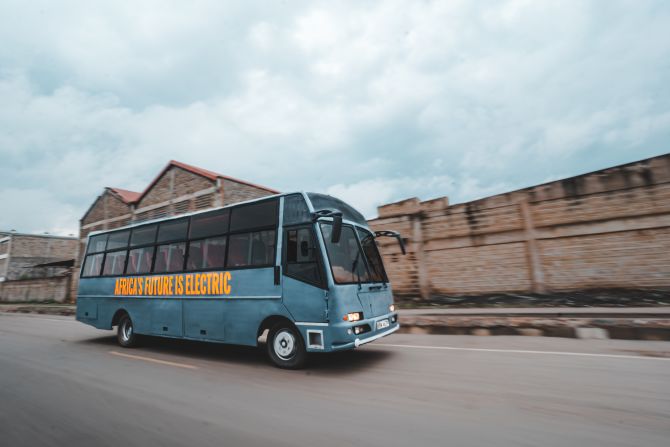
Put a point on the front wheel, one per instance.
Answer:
(125, 333)
(286, 347)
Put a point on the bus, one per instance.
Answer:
(302, 270)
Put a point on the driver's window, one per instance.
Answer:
(301, 260)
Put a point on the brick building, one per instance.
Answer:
(604, 229)
(177, 189)
(35, 267)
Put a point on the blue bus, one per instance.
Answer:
(301, 269)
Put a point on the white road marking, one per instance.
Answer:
(521, 351)
(149, 359)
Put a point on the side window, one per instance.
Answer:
(255, 249)
(92, 265)
(114, 263)
(118, 239)
(209, 224)
(143, 235)
(97, 243)
(172, 230)
(301, 256)
(254, 216)
(295, 210)
(170, 257)
(207, 253)
(139, 260)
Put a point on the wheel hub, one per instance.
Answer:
(127, 330)
(284, 345)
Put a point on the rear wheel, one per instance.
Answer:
(286, 347)
(125, 333)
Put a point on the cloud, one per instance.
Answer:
(369, 194)
(373, 102)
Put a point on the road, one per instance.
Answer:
(64, 383)
(603, 312)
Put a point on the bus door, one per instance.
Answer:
(255, 286)
(303, 278)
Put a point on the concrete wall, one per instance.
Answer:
(27, 251)
(44, 289)
(605, 229)
(25, 282)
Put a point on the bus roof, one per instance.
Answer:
(306, 195)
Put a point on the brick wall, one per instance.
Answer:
(106, 206)
(234, 192)
(175, 182)
(605, 229)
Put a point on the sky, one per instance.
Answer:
(372, 102)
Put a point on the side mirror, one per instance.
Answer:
(337, 222)
(337, 229)
(394, 234)
(402, 244)
(304, 249)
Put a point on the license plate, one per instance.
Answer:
(382, 324)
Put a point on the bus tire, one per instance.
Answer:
(125, 332)
(286, 347)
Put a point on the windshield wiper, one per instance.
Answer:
(354, 266)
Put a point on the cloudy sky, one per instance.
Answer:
(369, 101)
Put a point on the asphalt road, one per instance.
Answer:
(64, 383)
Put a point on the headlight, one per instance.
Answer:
(392, 307)
(353, 316)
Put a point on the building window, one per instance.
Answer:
(181, 207)
(204, 201)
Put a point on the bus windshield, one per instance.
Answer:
(377, 273)
(347, 261)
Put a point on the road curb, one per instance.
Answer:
(599, 332)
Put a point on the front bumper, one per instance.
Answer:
(340, 336)
(358, 342)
